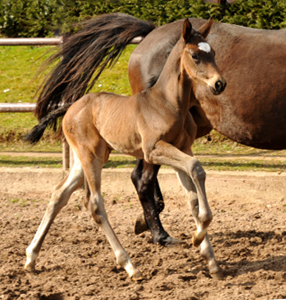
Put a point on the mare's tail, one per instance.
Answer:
(84, 55)
(37, 131)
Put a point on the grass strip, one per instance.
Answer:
(24, 161)
(118, 162)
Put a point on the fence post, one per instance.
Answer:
(65, 154)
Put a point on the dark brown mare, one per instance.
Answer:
(155, 125)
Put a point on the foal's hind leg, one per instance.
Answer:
(95, 205)
(206, 248)
(59, 199)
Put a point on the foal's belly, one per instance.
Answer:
(128, 144)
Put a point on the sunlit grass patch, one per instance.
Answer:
(18, 84)
(231, 164)
(215, 163)
(24, 161)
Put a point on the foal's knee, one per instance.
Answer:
(198, 175)
(196, 171)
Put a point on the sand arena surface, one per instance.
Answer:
(248, 235)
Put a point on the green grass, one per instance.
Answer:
(220, 145)
(24, 161)
(215, 163)
(19, 65)
(22, 203)
(18, 83)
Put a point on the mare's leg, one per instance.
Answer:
(59, 199)
(144, 178)
(206, 248)
(92, 169)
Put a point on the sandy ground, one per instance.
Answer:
(248, 235)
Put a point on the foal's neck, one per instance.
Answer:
(174, 84)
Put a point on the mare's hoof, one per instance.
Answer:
(217, 274)
(137, 276)
(140, 225)
(171, 242)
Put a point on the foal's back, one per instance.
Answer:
(108, 119)
(119, 122)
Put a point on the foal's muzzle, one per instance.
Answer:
(219, 87)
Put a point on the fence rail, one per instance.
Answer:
(17, 107)
(31, 41)
(45, 41)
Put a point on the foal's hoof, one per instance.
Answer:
(217, 274)
(140, 225)
(30, 268)
(137, 276)
(198, 238)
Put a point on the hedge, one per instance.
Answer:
(42, 18)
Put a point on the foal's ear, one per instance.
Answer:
(205, 29)
(187, 30)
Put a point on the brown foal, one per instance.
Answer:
(155, 125)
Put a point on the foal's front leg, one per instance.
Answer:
(206, 248)
(192, 177)
(166, 154)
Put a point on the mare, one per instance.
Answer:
(154, 125)
(251, 110)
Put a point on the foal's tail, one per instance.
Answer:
(84, 55)
(37, 131)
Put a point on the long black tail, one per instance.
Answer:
(37, 131)
(88, 52)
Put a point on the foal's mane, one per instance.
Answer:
(171, 44)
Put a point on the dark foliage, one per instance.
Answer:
(42, 18)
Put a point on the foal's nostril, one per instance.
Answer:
(219, 86)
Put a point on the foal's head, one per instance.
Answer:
(198, 58)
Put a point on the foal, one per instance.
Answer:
(155, 125)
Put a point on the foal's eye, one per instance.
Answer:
(195, 57)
